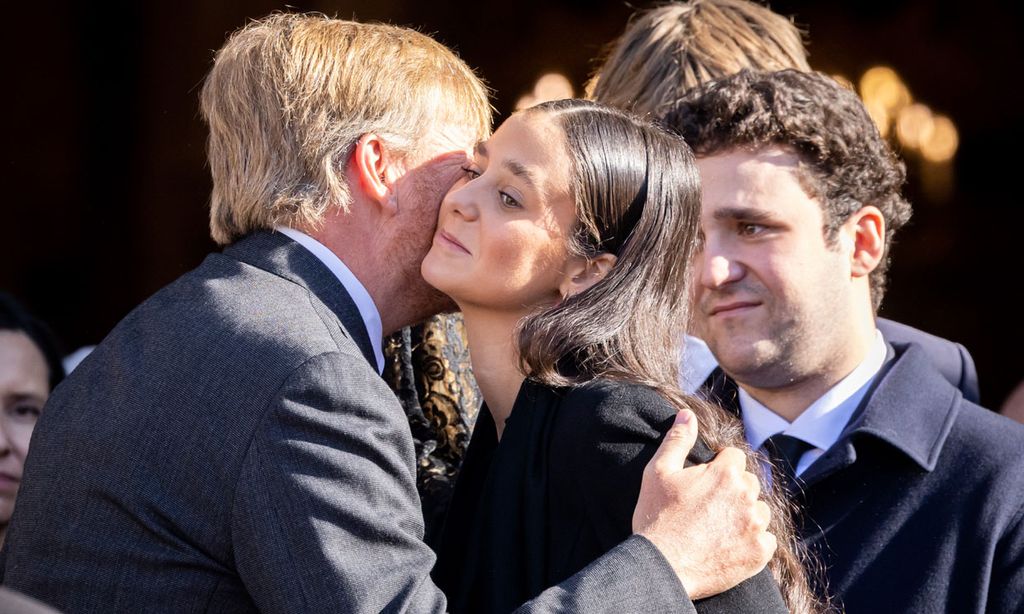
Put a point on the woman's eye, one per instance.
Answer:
(26, 413)
(472, 172)
(508, 201)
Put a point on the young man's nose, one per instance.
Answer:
(718, 269)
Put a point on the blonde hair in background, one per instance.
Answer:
(672, 48)
(289, 95)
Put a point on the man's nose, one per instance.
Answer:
(718, 269)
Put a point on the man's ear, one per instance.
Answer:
(866, 231)
(583, 273)
(371, 165)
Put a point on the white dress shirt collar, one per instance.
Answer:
(697, 365)
(823, 421)
(364, 303)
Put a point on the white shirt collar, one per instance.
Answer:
(364, 303)
(698, 363)
(823, 421)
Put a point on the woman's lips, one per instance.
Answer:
(8, 482)
(452, 241)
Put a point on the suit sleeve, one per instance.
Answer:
(631, 577)
(615, 432)
(326, 516)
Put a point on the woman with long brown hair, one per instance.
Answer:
(567, 249)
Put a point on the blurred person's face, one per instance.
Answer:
(773, 299)
(501, 240)
(24, 388)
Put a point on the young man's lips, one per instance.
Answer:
(730, 308)
(447, 238)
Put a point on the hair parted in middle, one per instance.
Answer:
(290, 94)
(846, 164)
(674, 47)
(637, 195)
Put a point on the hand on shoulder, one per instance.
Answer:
(706, 519)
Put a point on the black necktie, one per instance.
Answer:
(785, 451)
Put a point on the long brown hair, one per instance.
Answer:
(637, 194)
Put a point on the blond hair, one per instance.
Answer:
(670, 49)
(289, 95)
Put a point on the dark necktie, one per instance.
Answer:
(784, 451)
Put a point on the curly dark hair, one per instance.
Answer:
(848, 164)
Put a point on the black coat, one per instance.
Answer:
(556, 493)
(919, 506)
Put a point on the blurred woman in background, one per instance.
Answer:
(30, 367)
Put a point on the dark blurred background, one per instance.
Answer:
(105, 184)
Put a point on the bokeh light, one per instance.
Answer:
(942, 142)
(914, 125)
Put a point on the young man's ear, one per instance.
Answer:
(865, 231)
(584, 273)
(370, 163)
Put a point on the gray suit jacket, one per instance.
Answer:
(230, 448)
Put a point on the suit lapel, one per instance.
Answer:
(275, 253)
(720, 389)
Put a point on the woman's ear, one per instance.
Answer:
(584, 273)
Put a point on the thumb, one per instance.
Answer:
(679, 440)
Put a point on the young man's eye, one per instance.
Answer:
(748, 230)
(471, 171)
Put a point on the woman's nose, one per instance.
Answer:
(462, 201)
(5, 445)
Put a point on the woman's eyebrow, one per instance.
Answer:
(522, 171)
(515, 167)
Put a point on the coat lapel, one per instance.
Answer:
(911, 407)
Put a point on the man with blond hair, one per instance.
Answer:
(230, 446)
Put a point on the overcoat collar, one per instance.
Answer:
(911, 408)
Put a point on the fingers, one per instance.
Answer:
(751, 486)
(671, 454)
(768, 545)
(760, 516)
